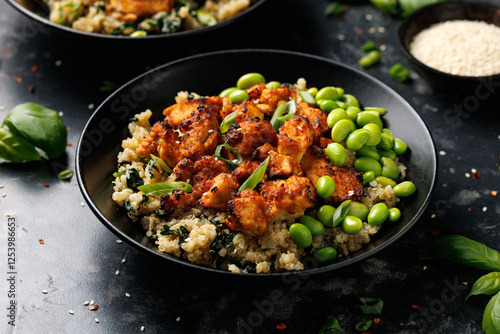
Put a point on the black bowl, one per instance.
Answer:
(446, 11)
(211, 73)
(38, 11)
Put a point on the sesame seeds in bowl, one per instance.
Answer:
(454, 46)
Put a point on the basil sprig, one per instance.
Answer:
(29, 126)
(468, 252)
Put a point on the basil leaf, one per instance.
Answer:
(491, 316)
(331, 325)
(16, 149)
(256, 176)
(487, 285)
(462, 250)
(341, 212)
(40, 126)
(371, 305)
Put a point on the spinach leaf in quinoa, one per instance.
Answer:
(134, 179)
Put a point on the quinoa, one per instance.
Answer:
(459, 47)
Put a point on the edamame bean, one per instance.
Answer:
(359, 210)
(378, 214)
(227, 91)
(335, 115)
(327, 93)
(327, 105)
(325, 255)
(385, 181)
(381, 111)
(313, 91)
(375, 134)
(386, 140)
(394, 215)
(357, 139)
(325, 215)
(353, 112)
(404, 189)
(367, 117)
(325, 186)
(238, 96)
(273, 84)
(370, 59)
(352, 225)
(336, 153)
(388, 154)
(301, 235)
(365, 164)
(250, 79)
(400, 146)
(342, 104)
(389, 168)
(340, 92)
(342, 129)
(350, 100)
(368, 177)
(368, 151)
(315, 226)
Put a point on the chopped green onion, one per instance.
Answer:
(363, 326)
(283, 113)
(256, 176)
(307, 97)
(369, 46)
(164, 167)
(330, 325)
(65, 174)
(227, 122)
(161, 188)
(205, 18)
(371, 305)
(341, 212)
(138, 33)
(399, 73)
(238, 159)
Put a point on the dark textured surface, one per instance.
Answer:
(79, 257)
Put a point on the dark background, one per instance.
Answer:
(78, 258)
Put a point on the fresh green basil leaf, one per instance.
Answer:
(370, 305)
(331, 325)
(16, 149)
(491, 316)
(464, 251)
(40, 126)
(341, 212)
(487, 285)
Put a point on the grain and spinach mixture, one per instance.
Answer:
(138, 18)
(262, 175)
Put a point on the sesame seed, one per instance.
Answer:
(381, 29)
(123, 260)
(1, 186)
(433, 216)
(127, 294)
(473, 170)
(443, 153)
(117, 272)
(85, 303)
(58, 62)
(369, 17)
(142, 328)
(342, 37)
(465, 283)
(383, 47)
(71, 312)
(178, 319)
(210, 131)
(45, 292)
(485, 209)
(96, 320)
(4, 194)
(92, 302)
(424, 268)
(467, 175)
(118, 241)
(82, 204)
(90, 106)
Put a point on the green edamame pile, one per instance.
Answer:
(326, 230)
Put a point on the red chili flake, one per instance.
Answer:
(34, 68)
(378, 320)
(434, 232)
(18, 79)
(382, 40)
(469, 209)
(281, 326)
(359, 31)
(415, 307)
(41, 241)
(31, 88)
(46, 185)
(68, 129)
(93, 307)
(475, 175)
(493, 192)
(5, 51)
(69, 144)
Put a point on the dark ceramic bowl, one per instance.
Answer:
(440, 12)
(208, 74)
(38, 11)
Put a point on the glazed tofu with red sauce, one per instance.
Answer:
(140, 8)
(249, 135)
(317, 119)
(248, 213)
(348, 182)
(207, 167)
(218, 191)
(178, 199)
(295, 137)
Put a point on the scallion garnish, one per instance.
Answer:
(164, 167)
(307, 97)
(238, 159)
(256, 176)
(161, 188)
(227, 122)
(283, 113)
(341, 212)
(371, 305)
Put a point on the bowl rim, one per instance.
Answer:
(403, 26)
(68, 30)
(306, 272)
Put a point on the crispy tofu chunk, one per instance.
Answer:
(248, 135)
(317, 119)
(248, 213)
(295, 137)
(218, 191)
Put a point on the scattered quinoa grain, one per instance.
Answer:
(92, 302)
(433, 215)
(369, 17)
(90, 106)
(342, 37)
(85, 303)
(485, 209)
(96, 320)
(467, 175)
(123, 260)
(127, 294)
(178, 319)
(117, 272)
(118, 241)
(442, 153)
(61, 114)
(4, 195)
(71, 312)
(45, 292)
(142, 328)
(383, 47)
(82, 204)
(58, 62)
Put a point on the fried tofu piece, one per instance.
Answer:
(348, 182)
(245, 110)
(262, 152)
(218, 191)
(140, 8)
(282, 166)
(183, 171)
(255, 91)
(295, 137)
(270, 98)
(288, 198)
(207, 167)
(178, 112)
(177, 199)
(317, 119)
(248, 135)
(227, 107)
(248, 213)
